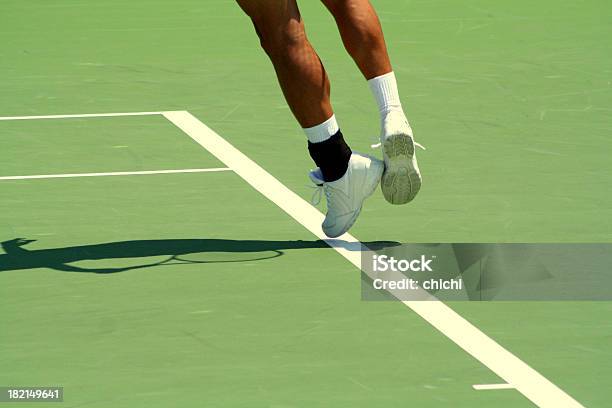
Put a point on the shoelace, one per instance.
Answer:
(317, 195)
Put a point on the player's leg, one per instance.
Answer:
(300, 73)
(362, 35)
(305, 85)
(363, 38)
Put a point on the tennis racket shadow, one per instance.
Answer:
(174, 251)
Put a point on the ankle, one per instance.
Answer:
(332, 156)
(385, 92)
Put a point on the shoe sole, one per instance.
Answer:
(369, 191)
(401, 181)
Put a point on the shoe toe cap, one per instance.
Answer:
(336, 226)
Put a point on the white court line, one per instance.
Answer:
(510, 368)
(114, 173)
(485, 387)
(83, 115)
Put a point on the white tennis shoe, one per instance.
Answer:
(401, 180)
(346, 195)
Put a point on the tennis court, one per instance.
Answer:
(158, 247)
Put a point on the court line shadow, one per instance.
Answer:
(16, 257)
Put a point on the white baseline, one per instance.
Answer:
(114, 173)
(83, 115)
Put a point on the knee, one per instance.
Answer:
(281, 39)
(340, 9)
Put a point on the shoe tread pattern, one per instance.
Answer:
(401, 181)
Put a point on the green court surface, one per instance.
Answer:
(207, 293)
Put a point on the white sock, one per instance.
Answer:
(323, 131)
(384, 89)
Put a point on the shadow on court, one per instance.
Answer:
(16, 257)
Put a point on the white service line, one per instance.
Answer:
(114, 173)
(510, 368)
(484, 387)
(82, 115)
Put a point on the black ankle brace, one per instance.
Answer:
(332, 156)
